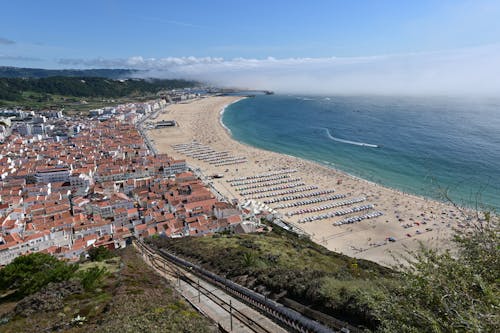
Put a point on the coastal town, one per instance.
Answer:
(169, 167)
(264, 167)
(72, 183)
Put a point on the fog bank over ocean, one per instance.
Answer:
(472, 71)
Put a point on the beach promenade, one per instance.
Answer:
(343, 213)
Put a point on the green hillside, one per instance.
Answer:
(18, 72)
(292, 269)
(13, 89)
(80, 93)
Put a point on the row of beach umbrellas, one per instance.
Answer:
(271, 183)
(207, 154)
(290, 191)
(262, 175)
(310, 201)
(229, 160)
(354, 219)
(260, 180)
(325, 207)
(274, 188)
(212, 157)
(299, 196)
(336, 213)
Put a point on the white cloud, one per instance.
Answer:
(138, 62)
(464, 71)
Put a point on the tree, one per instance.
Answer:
(30, 273)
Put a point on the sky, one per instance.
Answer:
(331, 46)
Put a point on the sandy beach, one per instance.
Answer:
(406, 218)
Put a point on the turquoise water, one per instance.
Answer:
(418, 145)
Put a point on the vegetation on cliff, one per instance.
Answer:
(433, 292)
(292, 269)
(121, 294)
(445, 292)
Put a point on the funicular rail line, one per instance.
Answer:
(167, 267)
(281, 314)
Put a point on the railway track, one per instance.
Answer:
(163, 265)
(189, 273)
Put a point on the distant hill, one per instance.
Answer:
(18, 72)
(20, 89)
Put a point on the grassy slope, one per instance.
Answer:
(281, 264)
(132, 299)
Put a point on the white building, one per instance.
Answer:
(109, 110)
(24, 129)
(33, 243)
(96, 112)
(54, 114)
(53, 175)
(80, 183)
(39, 119)
(174, 168)
(38, 129)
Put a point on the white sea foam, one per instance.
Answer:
(362, 144)
(221, 114)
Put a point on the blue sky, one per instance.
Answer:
(143, 34)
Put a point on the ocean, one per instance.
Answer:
(435, 147)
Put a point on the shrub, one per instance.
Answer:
(100, 253)
(441, 292)
(30, 273)
(92, 277)
(249, 259)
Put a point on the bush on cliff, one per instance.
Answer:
(449, 292)
(30, 273)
